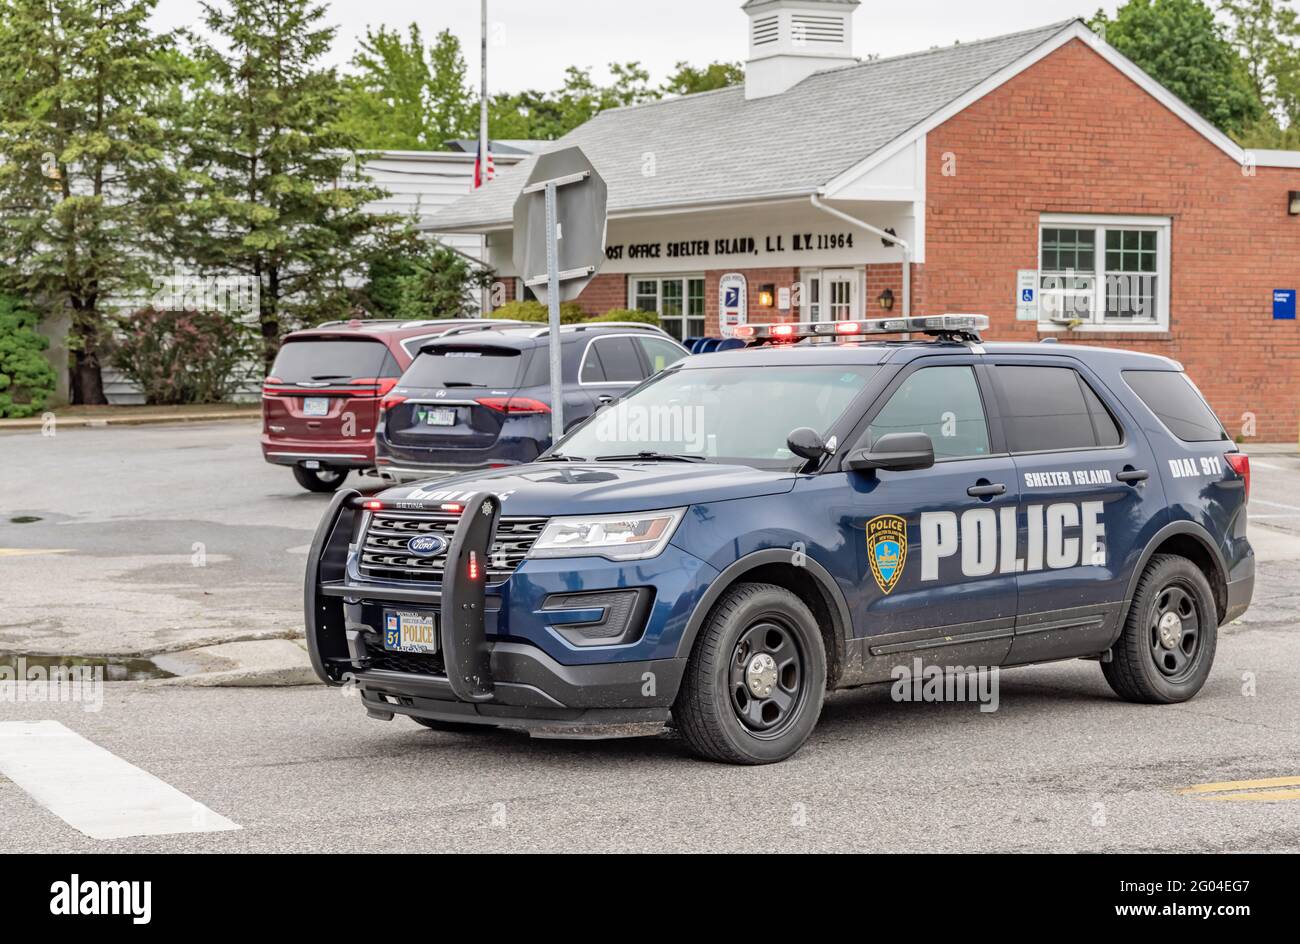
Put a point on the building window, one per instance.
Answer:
(831, 294)
(1104, 272)
(677, 300)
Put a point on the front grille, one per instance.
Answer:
(384, 555)
(417, 662)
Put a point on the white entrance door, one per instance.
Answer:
(841, 294)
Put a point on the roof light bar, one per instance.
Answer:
(958, 326)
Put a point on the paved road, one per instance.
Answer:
(1061, 765)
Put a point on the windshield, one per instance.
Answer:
(722, 414)
(464, 366)
(324, 360)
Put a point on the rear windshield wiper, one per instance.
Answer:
(660, 456)
(330, 377)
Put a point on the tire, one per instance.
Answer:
(725, 710)
(1161, 659)
(452, 727)
(325, 479)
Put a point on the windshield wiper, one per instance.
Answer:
(560, 457)
(329, 377)
(660, 456)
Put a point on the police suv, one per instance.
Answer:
(748, 530)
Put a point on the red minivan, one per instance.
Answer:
(321, 401)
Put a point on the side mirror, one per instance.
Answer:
(895, 452)
(808, 444)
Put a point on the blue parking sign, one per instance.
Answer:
(1284, 304)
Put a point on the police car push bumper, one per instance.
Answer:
(491, 682)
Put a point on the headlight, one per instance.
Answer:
(618, 537)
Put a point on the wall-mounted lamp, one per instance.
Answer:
(1293, 204)
(766, 295)
(886, 300)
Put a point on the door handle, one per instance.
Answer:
(604, 398)
(1133, 476)
(986, 491)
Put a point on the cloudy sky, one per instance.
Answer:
(534, 40)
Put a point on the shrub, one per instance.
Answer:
(532, 310)
(26, 379)
(630, 314)
(184, 356)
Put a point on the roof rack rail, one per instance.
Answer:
(591, 325)
(486, 324)
(962, 328)
(358, 321)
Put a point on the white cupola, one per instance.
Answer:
(789, 40)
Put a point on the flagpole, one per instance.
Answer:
(486, 299)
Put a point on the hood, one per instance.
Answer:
(569, 488)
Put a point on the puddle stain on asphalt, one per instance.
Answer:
(115, 669)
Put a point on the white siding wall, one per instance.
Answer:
(419, 183)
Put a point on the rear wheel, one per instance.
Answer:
(324, 479)
(1167, 648)
(756, 679)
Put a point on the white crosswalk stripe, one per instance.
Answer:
(92, 789)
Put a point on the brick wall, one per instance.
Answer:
(784, 277)
(603, 293)
(1073, 134)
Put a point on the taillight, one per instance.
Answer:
(389, 402)
(382, 385)
(515, 406)
(1240, 463)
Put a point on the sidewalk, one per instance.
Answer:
(99, 416)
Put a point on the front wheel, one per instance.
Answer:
(323, 479)
(756, 679)
(1167, 648)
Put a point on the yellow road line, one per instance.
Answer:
(1256, 795)
(1240, 785)
(29, 551)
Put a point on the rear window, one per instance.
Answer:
(1051, 408)
(1173, 397)
(465, 366)
(326, 359)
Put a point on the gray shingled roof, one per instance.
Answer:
(718, 147)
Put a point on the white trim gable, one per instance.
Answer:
(1077, 30)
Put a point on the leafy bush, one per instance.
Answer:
(532, 310)
(184, 356)
(630, 314)
(412, 279)
(26, 378)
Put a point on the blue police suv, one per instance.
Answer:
(748, 530)
(480, 398)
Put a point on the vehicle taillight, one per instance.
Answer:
(1240, 463)
(382, 385)
(389, 402)
(515, 406)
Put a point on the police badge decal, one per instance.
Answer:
(887, 549)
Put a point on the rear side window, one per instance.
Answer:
(327, 360)
(659, 353)
(942, 402)
(612, 360)
(1173, 397)
(465, 366)
(1050, 408)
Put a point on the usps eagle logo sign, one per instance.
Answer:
(887, 549)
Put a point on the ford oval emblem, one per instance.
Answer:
(426, 545)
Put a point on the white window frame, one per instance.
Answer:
(659, 280)
(1162, 226)
(818, 277)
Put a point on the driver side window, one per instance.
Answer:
(942, 402)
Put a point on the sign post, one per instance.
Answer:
(559, 236)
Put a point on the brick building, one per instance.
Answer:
(1040, 178)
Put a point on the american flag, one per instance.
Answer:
(482, 175)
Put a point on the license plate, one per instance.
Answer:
(316, 406)
(405, 631)
(441, 418)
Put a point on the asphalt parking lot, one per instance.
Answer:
(161, 539)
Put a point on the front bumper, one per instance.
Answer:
(493, 679)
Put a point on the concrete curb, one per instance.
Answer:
(155, 419)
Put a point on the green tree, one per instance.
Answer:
(410, 277)
(1180, 44)
(687, 79)
(277, 199)
(86, 186)
(549, 115)
(1266, 33)
(406, 95)
(26, 378)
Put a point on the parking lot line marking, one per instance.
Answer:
(1264, 465)
(28, 551)
(1245, 789)
(93, 790)
(1254, 795)
(1273, 504)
